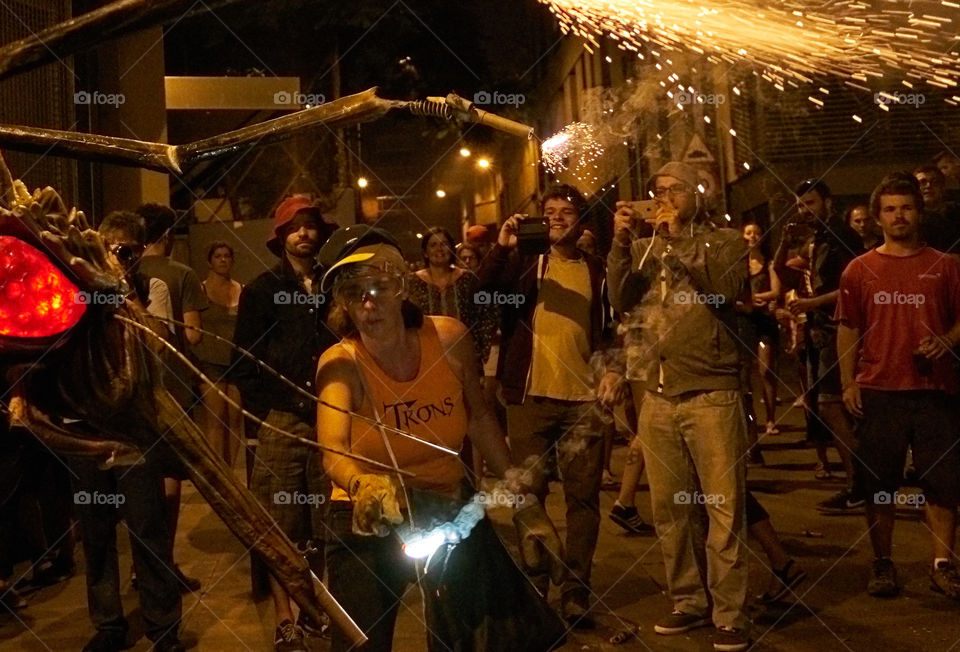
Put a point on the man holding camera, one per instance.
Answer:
(899, 314)
(546, 375)
(680, 286)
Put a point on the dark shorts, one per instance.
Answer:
(215, 372)
(823, 370)
(927, 422)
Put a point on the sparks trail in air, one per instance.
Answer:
(789, 42)
(576, 149)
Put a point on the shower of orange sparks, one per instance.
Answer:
(787, 40)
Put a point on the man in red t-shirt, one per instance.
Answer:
(899, 314)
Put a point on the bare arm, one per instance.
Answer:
(773, 294)
(192, 319)
(339, 386)
(848, 349)
(482, 426)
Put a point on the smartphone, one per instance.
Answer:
(533, 235)
(646, 210)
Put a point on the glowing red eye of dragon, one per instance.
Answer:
(36, 298)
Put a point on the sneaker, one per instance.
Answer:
(883, 582)
(575, 609)
(843, 502)
(46, 573)
(10, 600)
(311, 629)
(629, 520)
(106, 640)
(289, 638)
(731, 639)
(679, 622)
(946, 580)
(786, 579)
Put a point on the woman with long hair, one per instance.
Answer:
(222, 423)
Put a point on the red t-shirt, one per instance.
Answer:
(896, 302)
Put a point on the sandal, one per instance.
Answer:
(789, 578)
(822, 472)
(772, 429)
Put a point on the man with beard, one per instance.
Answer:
(899, 314)
(281, 321)
(832, 246)
(682, 284)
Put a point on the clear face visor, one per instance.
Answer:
(355, 287)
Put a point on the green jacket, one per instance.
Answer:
(678, 309)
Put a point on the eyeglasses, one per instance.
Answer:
(125, 252)
(360, 290)
(673, 191)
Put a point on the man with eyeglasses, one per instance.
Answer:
(680, 287)
(281, 320)
(136, 495)
(940, 225)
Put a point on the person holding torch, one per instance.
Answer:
(403, 389)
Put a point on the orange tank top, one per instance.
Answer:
(430, 407)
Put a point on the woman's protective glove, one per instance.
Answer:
(375, 504)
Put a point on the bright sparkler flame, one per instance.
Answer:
(786, 39)
(422, 544)
(575, 148)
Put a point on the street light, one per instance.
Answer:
(464, 152)
(441, 193)
(484, 163)
(362, 182)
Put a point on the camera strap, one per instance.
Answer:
(541, 269)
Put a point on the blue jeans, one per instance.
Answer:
(143, 508)
(694, 447)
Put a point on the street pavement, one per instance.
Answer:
(830, 611)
